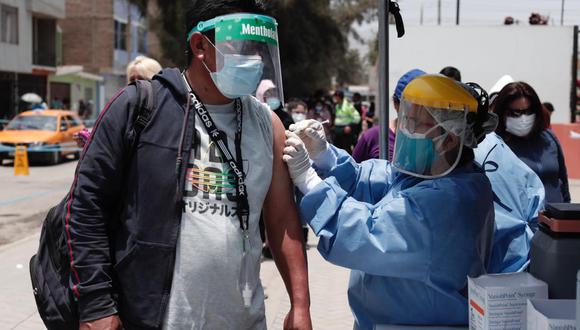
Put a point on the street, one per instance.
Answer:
(25, 200)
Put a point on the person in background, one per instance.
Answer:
(142, 68)
(370, 115)
(267, 93)
(36, 106)
(410, 257)
(345, 122)
(56, 104)
(498, 86)
(524, 128)
(518, 198)
(548, 111)
(81, 109)
(297, 109)
(89, 105)
(451, 72)
(361, 108)
(322, 112)
(368, 146)
(549, 106)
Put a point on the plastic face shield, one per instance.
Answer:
(429, 140)
(247, 53)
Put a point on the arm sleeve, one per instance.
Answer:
(563, 173)
(394, 237)
(361, 150)
(370, 179)
(92, 208)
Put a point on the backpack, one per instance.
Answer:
(50, 267)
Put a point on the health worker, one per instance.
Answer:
(411, 230)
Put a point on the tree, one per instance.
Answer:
(313, 43)
(348, 12)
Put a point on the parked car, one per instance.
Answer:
(47, 134)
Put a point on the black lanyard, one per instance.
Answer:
(221, 140)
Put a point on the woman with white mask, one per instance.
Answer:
(524, 126)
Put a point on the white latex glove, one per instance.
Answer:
(296, 156)
(312, 134)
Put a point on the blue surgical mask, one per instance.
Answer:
(319, 108)
(273, 102)
(415, 154)
(239, 76)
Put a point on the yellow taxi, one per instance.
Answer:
(47, 134)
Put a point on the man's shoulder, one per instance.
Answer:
(257, 108)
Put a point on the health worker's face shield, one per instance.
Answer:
(246, 53)
(429, 140)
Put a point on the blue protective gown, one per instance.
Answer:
(410, 242)
(518, 198)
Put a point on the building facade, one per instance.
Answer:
(29, 50)
(103, 37)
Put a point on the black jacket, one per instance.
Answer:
(124, 215)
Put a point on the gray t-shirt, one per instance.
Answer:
(207, 289)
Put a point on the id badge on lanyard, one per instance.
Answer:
(243, 208)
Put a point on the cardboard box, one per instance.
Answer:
(498, 301)
(554, 314)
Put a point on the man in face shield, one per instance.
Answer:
(411, 230)
(166, 236)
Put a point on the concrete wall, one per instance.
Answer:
(18, 58)
(128, 14)
(88, 32)
(539, 55)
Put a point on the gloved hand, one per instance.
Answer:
(312, 134)
(296, 156)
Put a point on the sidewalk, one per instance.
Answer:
(17, 308)
(328, 285)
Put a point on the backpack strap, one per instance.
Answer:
(144, 109)
(145, 105)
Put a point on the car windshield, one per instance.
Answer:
(24, 123)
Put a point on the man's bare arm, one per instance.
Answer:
(284, 232)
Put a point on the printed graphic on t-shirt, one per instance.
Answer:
(210, 187)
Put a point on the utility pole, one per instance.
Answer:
(457, 15)
(439, 12)
(421, 17)
(562, 14)
(383, 91)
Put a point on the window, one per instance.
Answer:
(9, 24)
(73, 121)
(63, 124)
(142, 40)
(120, 35)
(22, 123)
(44, 41)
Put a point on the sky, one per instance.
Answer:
(476, 12)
